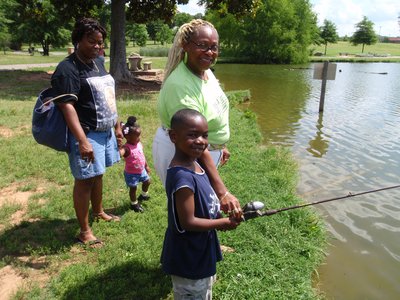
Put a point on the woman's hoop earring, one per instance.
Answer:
(185, 57)
(214, 62)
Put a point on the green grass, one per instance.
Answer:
(274, 257)
(21, 85)
(386, 52)
(11, 58)
(157, 54)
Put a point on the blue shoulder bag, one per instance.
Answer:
(48, 124)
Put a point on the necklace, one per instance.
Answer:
(94, 68)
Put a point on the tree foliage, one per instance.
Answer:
(164, 35)
(233, 7)
(154, 27)
(49, 22)
(135, 11)
(137, 33)
(278, 31)
(38, 21)
(145, 11)
(182, 18)
(5, 36)
(75, 10)
(364, 34)
(139, 11)
(328, 33)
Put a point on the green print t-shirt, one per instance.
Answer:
(183, 89)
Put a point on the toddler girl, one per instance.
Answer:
(136, 168)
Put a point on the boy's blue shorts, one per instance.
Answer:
(105, 151)
(133, 180)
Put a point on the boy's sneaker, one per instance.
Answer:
(143, 198)
(137, 207)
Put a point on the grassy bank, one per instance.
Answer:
(274, 257)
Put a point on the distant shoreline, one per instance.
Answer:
(352, 58)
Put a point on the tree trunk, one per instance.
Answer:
(326, 45)
(362, 51)
(118, 67)
(46, 47)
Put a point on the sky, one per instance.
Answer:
(345, 14)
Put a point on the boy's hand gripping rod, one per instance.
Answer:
(254, 209)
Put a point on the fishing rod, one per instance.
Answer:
(254, 209)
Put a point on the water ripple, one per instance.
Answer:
(352, 146)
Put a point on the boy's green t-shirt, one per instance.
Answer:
(183, 89)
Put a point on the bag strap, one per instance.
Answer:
(57, 97)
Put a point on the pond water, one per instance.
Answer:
(352, 146)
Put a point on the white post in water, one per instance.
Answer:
(325, 71)
(323, 85)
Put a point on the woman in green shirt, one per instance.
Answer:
(189, 83)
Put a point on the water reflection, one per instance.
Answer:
(320, 143)
(278, 91)
(353, 147)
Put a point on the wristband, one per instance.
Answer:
(224, 196)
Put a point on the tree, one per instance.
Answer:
(154, 27)
(277, 31)
(142, 12)
(328, 33)
(137, 33)
(37, 21)
(136, 11)
(234, 7)
(118, 67)
(164, 35)
(230, 33)
(182, 18)
(57, 21)
(364, 34)
(5, 37)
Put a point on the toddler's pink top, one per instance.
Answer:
(135, 161)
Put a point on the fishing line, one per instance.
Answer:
(252, 209)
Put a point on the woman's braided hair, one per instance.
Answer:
(182, 37)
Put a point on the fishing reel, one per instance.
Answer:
(252, 210)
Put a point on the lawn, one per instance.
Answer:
(389, 52)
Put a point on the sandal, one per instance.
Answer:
(106, 217)
(91, 244)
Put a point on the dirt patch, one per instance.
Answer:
(35, 76)
(13, 195)
(140, 84)
(5, 132)
(10, 281)
(12, 278)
